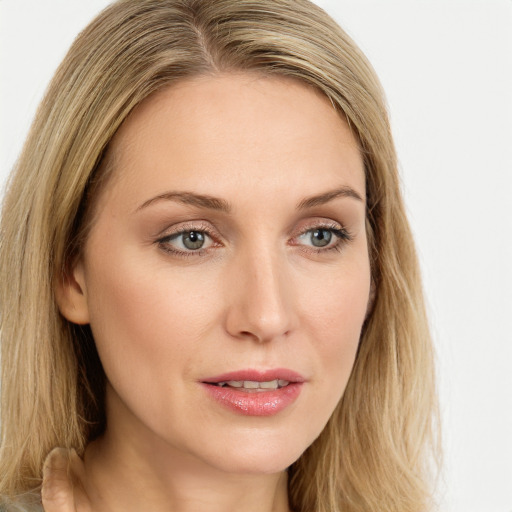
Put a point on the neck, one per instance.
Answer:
(127, 471)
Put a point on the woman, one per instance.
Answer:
(210, 296)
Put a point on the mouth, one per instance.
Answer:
(256, 380)
(255, 393)
(253, 386)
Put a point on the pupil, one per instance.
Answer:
(321, 237)
(193, 240)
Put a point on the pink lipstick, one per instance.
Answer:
(254, 392)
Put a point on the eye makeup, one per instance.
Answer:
(189, 239)
(197, 239)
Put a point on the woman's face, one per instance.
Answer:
(226, 276)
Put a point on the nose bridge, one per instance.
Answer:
(261, 305)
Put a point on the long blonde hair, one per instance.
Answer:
(375, 451)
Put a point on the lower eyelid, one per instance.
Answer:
(182, 253)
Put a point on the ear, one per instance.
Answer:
(71, 295)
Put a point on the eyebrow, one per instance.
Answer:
(320, 199)
(214, 203)
(199, 200)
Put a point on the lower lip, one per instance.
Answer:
(255, 403)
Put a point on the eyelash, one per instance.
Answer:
(342, 235)
(163, 242)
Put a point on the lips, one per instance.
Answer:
(254, 392)
(252, 386)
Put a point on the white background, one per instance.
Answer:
(446, 66)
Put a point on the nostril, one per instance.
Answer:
(249, 334)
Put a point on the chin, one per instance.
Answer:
(257, 464)
(258, 453)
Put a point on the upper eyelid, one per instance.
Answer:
(193, 226)
(186, 226)
(212, 230)
(319, 224)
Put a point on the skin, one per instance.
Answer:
(259, 294)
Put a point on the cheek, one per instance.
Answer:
(335, 316)
(147, 321)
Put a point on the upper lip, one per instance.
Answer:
(257, 376)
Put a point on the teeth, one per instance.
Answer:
(252, 384)
(269, 385)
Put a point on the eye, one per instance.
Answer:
(319, 237)
(186, 241)
(324, 238)
(192, 239)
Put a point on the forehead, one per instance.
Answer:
(233, 131)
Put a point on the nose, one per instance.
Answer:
(260, 297)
